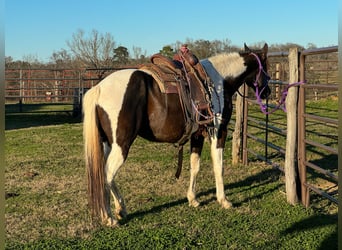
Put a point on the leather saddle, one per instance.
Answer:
(185, 76)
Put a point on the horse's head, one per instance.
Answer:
(256, 61)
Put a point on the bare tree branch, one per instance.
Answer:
(96, 50)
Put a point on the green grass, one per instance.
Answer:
(317, 131)
(46, 204)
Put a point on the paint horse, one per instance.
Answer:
(128, 103)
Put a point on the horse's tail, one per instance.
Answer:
(93, 152)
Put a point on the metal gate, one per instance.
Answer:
(317, 133)
(317, 130)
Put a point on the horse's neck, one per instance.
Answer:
(232, 85)
(231, 67)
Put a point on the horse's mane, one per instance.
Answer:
(228, 64)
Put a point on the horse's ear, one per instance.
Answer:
(264, 52)
(246, 48)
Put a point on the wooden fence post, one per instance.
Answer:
(244, 128)
(21, 91)
(236, 140)
(291, 137)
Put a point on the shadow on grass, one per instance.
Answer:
(155, 209)
(316, 221)
(263, 178)
(19, 121)
(39, 114)
(257, 181)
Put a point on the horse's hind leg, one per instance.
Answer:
(114, 161)
(196, 149)
(108, 218)
(120, 208)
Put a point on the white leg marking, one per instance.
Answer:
(119, 204)
(194, 169)
(114, 162)
(217, 158)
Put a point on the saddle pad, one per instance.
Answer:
(167, 87)
(217, 100)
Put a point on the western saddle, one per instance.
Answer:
(185, 76)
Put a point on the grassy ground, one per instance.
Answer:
(317, 131)
(46, 204)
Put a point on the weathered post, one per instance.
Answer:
(236, 140)
(244, 127)
(291, 137)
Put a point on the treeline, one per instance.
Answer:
(97, 50)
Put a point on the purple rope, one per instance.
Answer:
(281, 105)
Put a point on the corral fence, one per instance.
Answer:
(49, 90)
(302, 142)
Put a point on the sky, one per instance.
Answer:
(40, 27)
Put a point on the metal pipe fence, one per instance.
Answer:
(264, 136)
(57, 90)
(322, 123)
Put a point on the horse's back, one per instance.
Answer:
(113, 88)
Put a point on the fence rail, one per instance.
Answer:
(264, 136)
(61, 88)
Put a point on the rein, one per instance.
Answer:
(281, 102)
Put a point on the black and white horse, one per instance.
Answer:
(128, 103)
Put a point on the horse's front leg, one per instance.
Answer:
(196, 145)
(217, 146)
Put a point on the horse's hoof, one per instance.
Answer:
(194, 203)
(120, 214)
(226, 204)
(110, 222)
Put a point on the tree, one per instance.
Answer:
(205, 48)
(281, 47)
(121, 55)
(32, 61)
(167, 51)
(311, 46)
(219, 46)
(8, 61)
(201, 48)
(139, 57)
(11, 64)
(96, 50)
(61, 59)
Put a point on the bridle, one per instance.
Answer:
(281, 102)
